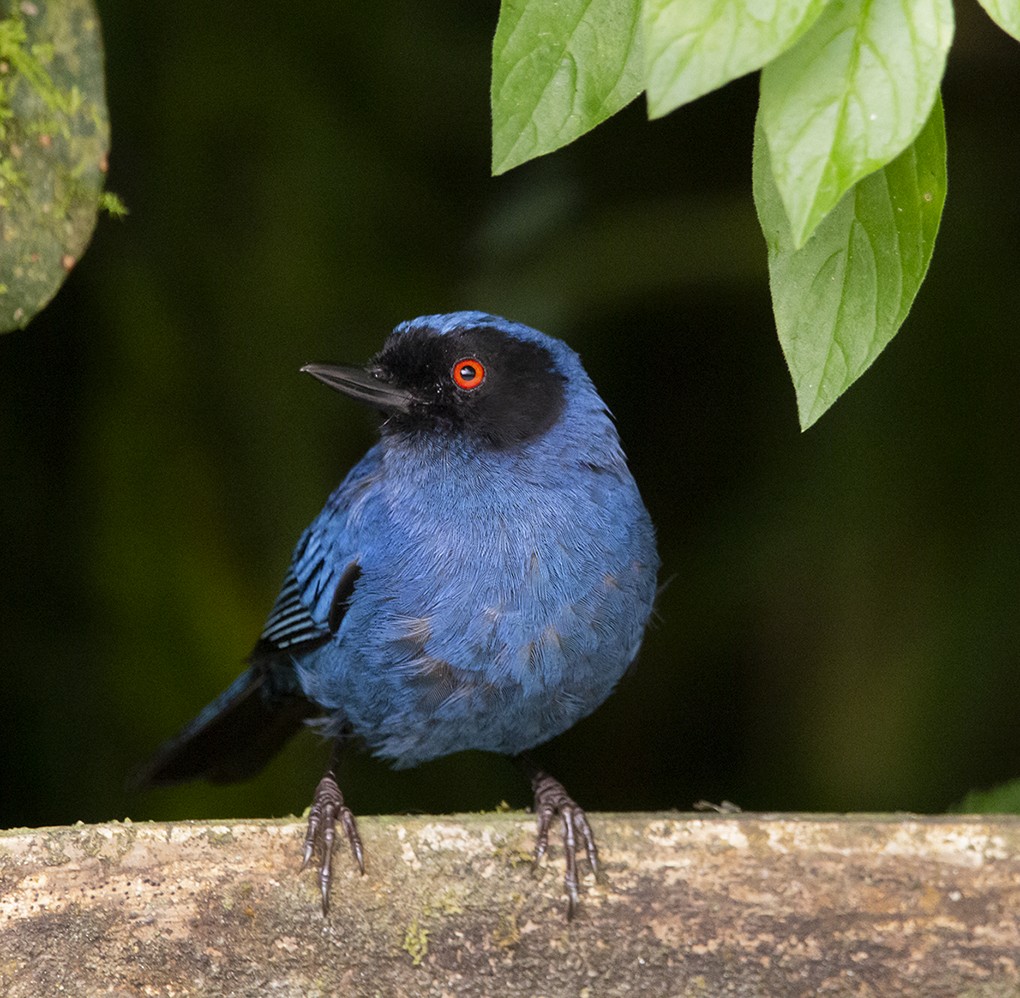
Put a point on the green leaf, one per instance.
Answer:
(840, 298)
(1005, 13)
(850, 96)
(694, 46)
(558, 70)
(1003, 799)
(54, 138)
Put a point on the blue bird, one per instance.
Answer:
(481, 579)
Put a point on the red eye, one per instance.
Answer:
(468, 373)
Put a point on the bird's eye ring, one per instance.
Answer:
(468, 373)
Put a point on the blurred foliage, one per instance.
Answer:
(54, 138)
(1003, 799)
(840, 628)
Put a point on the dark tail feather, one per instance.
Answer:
(234, 736)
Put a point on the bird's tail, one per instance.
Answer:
(234, 736)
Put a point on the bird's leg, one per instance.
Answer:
(328, 806)
(552, 799)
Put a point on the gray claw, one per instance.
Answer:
(552, 799)
(327, 806)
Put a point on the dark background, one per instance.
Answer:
(841, 629)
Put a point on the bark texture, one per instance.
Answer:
(687, 905)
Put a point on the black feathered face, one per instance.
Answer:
(477, 381)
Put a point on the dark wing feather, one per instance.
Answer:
(233, 737)
(290, 624)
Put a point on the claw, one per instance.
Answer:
(552, 799)
(327, 806)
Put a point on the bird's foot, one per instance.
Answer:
(552, 799)
(328, 806)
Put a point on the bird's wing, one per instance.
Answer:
(319, 584)
(290, 624)
(236, 734)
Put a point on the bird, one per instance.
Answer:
(481, 579)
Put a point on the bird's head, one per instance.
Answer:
(467, 374)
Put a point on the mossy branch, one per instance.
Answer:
(728, 904)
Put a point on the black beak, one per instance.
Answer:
(362, 385)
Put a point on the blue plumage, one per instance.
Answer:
(480, 580)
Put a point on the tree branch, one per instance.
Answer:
(729, 904)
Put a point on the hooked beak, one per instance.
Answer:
(362, 385)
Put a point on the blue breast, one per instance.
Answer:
(500, 598)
